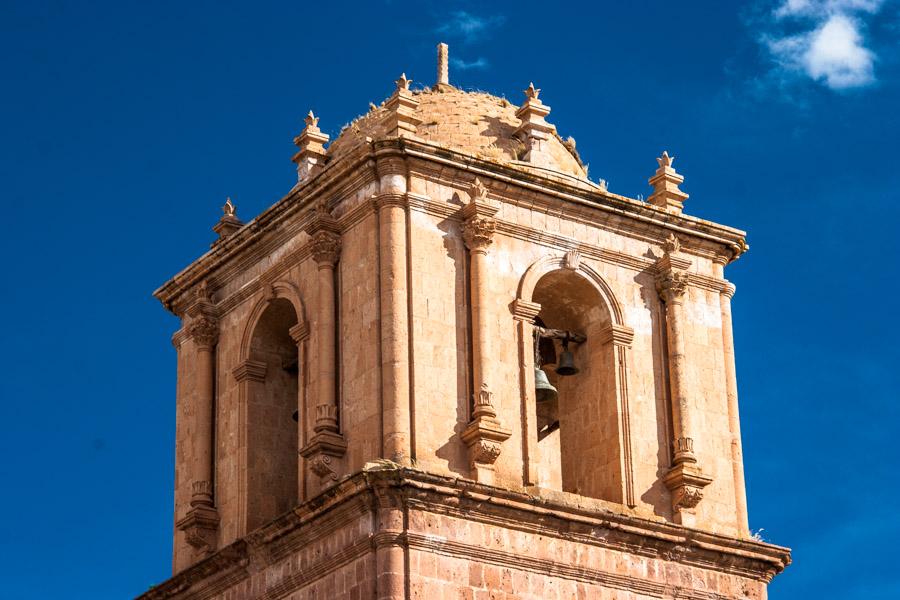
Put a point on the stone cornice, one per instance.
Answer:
(560, 242)
(352, 170)
(552, 516)
(267, 232)
(211, 576)
(731, 238)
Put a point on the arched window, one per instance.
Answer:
(579, 442)
(271, 431)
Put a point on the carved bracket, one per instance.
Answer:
(200, 527)
(523, 310)
(484, 437)
(686, 482)
(250, 370)
(321, 452)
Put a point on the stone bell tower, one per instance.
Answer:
(447, 364)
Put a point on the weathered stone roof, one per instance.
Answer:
(474, 123)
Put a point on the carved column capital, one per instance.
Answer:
(326, 417)
(671, 285)
(325, 247)
(204, 330)
(484, 406)
(478, 233)
(201, 493)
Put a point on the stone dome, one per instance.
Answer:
(474, 123)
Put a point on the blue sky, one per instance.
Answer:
(125, 125)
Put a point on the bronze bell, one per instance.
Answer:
(566, 364)
(543, 389)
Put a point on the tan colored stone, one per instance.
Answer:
(390, 301)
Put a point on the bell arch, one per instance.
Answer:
(279, 289)
(589, 453)
(271, 378)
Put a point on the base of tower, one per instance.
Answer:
(396, 533)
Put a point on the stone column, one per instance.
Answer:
(327, 442)
(685, 479)
(391, 545)
(394, 292)
(524, 313)
(734, 420)
(300, 333)
(201, 522)
(485, 434)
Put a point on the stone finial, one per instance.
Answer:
(228, 208)
(534, 130)
(229, 223)
(665, 182)
(401, 110)
(672, 245)
(478, 191)
(311, 144)
(665, 160)
(443, 68)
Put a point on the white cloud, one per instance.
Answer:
(830, 47)
(821, 8)
(836, 55)
(469, 27)
(462, 65)
(832, 53)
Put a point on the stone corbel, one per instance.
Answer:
(619, 335)
(200, 525)
(201, 304)
(686, 482)
(250, 370)
(523, 310)
(325, 446)
(484, 437)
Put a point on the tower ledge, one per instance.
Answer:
(577, 536)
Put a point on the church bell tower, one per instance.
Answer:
(448, 364)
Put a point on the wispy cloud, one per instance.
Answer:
(469, 27)
(462, 65)
(823, 40)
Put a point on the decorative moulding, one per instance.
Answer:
(250, 370)
(269, 230)
(554, 518)
(299, 332)
(619, 335)
(524, 310)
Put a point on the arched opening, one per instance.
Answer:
(271, 431)
(578, 432)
